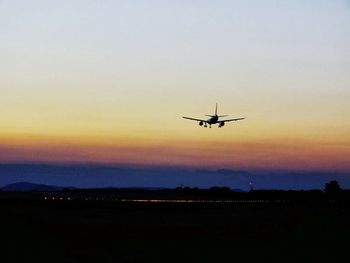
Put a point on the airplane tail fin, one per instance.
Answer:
(216, 112)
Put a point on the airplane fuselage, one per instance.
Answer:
(213, 120)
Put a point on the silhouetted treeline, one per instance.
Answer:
(332, 193)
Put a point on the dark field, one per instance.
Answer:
(90, 231)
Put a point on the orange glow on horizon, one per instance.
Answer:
(256, 154)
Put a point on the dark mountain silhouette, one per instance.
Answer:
(103, 176)
(24, 187)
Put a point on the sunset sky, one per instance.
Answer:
(107, 82)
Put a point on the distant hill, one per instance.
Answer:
(24, 187)
(100, 176)
(147, 188)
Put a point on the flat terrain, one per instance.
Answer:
(39, 231)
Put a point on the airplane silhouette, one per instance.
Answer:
(214, 119)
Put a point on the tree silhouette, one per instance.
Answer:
(332, 187)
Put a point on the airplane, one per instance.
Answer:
(214, 119)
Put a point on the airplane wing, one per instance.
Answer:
(193, 119)
(238, 119)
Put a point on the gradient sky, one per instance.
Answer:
(108, 81)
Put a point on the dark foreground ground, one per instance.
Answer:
(90, 231)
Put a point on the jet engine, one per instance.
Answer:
(200, 123)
